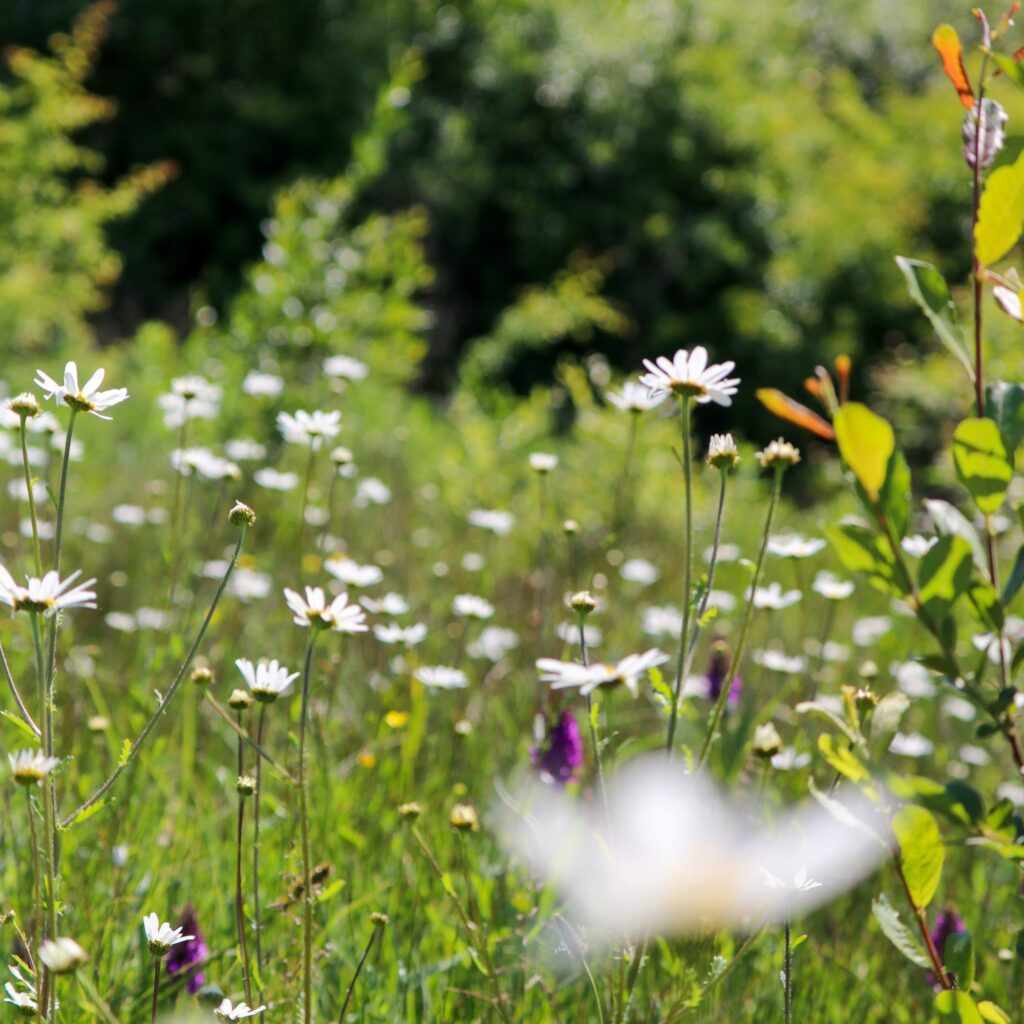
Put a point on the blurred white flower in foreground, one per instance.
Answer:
(635, 397)
(677, 858)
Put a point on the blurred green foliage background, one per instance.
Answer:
(621, 177)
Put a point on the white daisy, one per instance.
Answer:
(635, 397)
(493, 643)
(688, 373)
(85, 399)
(587, 678)
(831, 587)
(352, 573)
(777, 661)
(638, 570)
(372, 491)
(268, 680)
(262, 385)
(345, 367)
(245, 449)
(774, 597)
(30, 767)
(393, 633)
(62, 955)
(543, 462)
(48, 595)
(161, 936)
(390, 604)
(472, 607)
(495, 520)
(315, 612)
(309, 428)
(226, 1011)
(190, 398)
(441, 677)
(792, 545)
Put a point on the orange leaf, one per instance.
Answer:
(947, 42)
(843, 364)
(793, 412)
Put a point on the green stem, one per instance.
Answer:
(13, 687)
(307, 483)
(31, 499)
(155, 718)
(307, 882)
(59, 530)
(358, 971)
(787, 1010)
(256, 852)
(620, 507)
(37, 881)
(687, 571)
(748, 615)
(156, 987)
(243, 946)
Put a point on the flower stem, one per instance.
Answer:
(305, 504)
(620, 507)
(37, 879)
(155, 718)
(307, 882)
(358, 971)
(723, 696)
(591, 720)
(31, 499)
(156, 987)
(62, 493)
(684, 630)
(13, 687)
(976, 267)
(256, 850)
(243, 947)
(787, 1009)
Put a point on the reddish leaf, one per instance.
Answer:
(947, 42)
(843, 364)
(793, 412)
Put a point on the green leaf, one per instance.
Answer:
(1004, 403)
(1009, 67)
(841, 759)
(1000, 214)
(929, 290)
(866, 443)
(126, 751)
(992, 1013)
(887, 714)
(21, 725)
(896, 493)
(864, 551)
(943, 574)
(844, 815)
(956, 800)
(921, 852)
(958, 956)
(986, 605)
(950, 521)
(981, 463)
(1016, 578)
(959, 1006)
(810, 707)
(332, 890)
(897, 932)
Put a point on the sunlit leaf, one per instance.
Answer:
(793, 412)
(1001, 213)
(866, 443)
(840, 758)
(958, 956)
(921, 852)
(981, 463)
(943, 574)
(947, 42)
(897, 932)
(958, 1006)
(864, 551)
(950, 521)
(1004, 403)
(1009, 67)
(992, 1013)
(928, 288)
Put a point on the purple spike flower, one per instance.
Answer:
(560, 757)
(947, 923)
(185, 955)
(717, 674)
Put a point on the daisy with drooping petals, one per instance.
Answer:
(315, 612)
(226, 1011)
(564, 675)
(268, 680)
(47, 595)
(82, 399)
(30, 767)
(687, 373)
(161, 936)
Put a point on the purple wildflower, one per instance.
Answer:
(185, 955)
(718, 673)
(561, 756)
(947, 923)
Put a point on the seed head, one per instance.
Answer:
(464, 818)
(239, 700)
(246, 785)
(767, 741)
(24, 405)
(202, 676)
(379, 919)
(410, 810)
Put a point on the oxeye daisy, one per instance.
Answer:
(635, 398)
(472, 607)
(227, 1011)
(564, 675)
(309, 428)
(268, 680)
(345, 367)
(47, 595)
(393, 633)
(24, 999)
(441, 677)
(30, 767)
(82, 399)
(315, 612)
(161, 936)
(687, 373)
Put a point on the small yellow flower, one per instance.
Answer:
(396, 719)
(366, 759)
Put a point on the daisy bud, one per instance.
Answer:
(62, 956)
(246, 785)
(24, 405)
(241, 515)
(868, 669)
(464, 818)
(582, 602)
(543, 462)
(410, 810)
(570, 527)
(767, 741)
(341, 456)
(239, 700)
(722, 453)
(991, 126)
(463, 727)
(379, 919)
(779, 454)
(202, 676)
